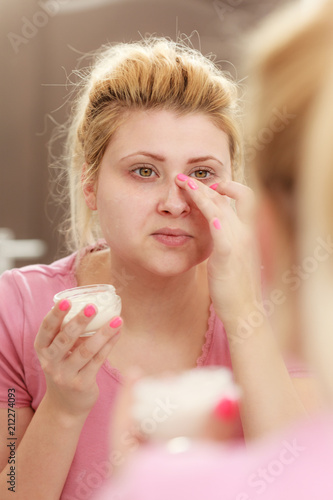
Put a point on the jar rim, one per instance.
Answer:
(84, 290)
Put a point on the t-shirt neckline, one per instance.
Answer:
(114, 372)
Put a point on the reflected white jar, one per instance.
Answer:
(170, 406)
(104, 297)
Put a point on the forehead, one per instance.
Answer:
(168, 134)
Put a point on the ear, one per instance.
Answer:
(88, 189)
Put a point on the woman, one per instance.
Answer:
(155, 154)
(292, 71)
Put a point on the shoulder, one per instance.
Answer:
(27, 294)
(29, 277)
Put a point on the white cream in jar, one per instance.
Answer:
(104, 297)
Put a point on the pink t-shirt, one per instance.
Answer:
(26, 296)
(294, 465)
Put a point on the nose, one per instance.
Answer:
(173, 200)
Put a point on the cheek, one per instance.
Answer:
(110, 211)
(205, 239)
(200, 220)
(119, 214)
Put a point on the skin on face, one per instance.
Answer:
(136, 193)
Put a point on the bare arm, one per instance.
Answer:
(271, 400)
(48, 439)
(311, 394)
(44, 454)
(23, 417)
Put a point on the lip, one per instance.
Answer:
(172, 237)
(168, 231)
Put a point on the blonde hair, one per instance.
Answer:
(152, 74)
(293, 69)
(289, 61)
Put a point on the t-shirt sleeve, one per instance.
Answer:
(12, 373)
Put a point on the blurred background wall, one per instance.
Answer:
(41, 43)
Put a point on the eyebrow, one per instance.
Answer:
(162, 158)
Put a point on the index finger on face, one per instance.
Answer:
(204, 198)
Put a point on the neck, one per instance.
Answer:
(151, 303)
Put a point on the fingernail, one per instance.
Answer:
(116, 322)
(182, 177)
(64, 305)
(192, 184)
(89, 310)
(226, 409)
(214, 186)
(217, 223)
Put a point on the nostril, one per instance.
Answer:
(173, 201)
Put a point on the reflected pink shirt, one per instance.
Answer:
(294, 465)
(26, 296)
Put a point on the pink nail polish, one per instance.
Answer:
(116, 322)
(217, 223)
(182, 177)
(214, 186)
(192, 184)
(226, 409)
(64, 305)
(89, 310)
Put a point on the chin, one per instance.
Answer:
(174, 266)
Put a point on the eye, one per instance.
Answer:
(144, 171)
(202, 173)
